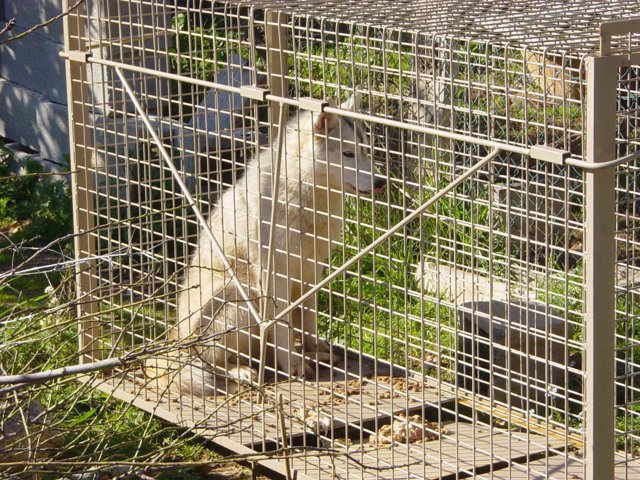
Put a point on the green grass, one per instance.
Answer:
(38, 204)
(379, 310)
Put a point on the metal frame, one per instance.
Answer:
(81, 183)
(600, 265)
(597, 163)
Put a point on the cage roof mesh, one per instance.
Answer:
(570, 25)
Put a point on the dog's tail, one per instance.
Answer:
(180, 373)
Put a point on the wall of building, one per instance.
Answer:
(33, 99)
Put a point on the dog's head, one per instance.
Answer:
(342, 151)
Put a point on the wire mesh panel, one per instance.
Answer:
(351, 234)
(627, 349)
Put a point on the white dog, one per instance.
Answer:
(324, 155)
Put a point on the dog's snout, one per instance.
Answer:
(378, 184)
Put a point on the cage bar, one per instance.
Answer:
(464, 307)
(82, 185)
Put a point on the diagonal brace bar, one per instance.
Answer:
(383, 238)
(192, 203)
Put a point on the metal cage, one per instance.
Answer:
(481, 313)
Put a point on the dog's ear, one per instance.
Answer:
(354, 102)
(325, 122)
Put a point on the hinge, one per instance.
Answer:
(254, 93)
(76, 56)
(549, 154)
(313, 104)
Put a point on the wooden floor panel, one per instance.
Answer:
(354, 403)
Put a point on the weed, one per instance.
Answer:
(38, 203)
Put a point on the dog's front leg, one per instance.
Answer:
(315, 348)
(289, 350)
(287, 336)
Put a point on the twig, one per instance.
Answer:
(291, 453)
(38, 174)
(40, 25)
(283, 428)
(8, 26)
(60, 265)
(37, 253)
(142, 476)
(18, 247)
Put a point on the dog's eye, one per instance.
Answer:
(349, 154)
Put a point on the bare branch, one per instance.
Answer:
(41, 377)
(60, 265)
(279, 453)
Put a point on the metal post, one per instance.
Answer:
(82, 181)
(600, 268)
(277, 65)
(276, 39)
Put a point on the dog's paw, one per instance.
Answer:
(322, 346)
(324, 357)
(244, 374)
(300, 368)
(320, 351)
